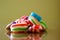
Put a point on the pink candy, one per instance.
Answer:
(23, 18)
(31, 27)
(35, 28)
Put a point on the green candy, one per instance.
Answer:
(43, 24)
(19, 29)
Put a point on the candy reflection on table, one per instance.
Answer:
(26, 36)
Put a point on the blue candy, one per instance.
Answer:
(36, 16)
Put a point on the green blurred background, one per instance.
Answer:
(10, 10)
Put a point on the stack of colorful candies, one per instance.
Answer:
(32, 23)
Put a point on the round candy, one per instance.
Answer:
(18, 27)
(36, 16)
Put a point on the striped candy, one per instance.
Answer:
(34, 18)
(18, 27)
(43, 24)
(23, 18)
(35, 28)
